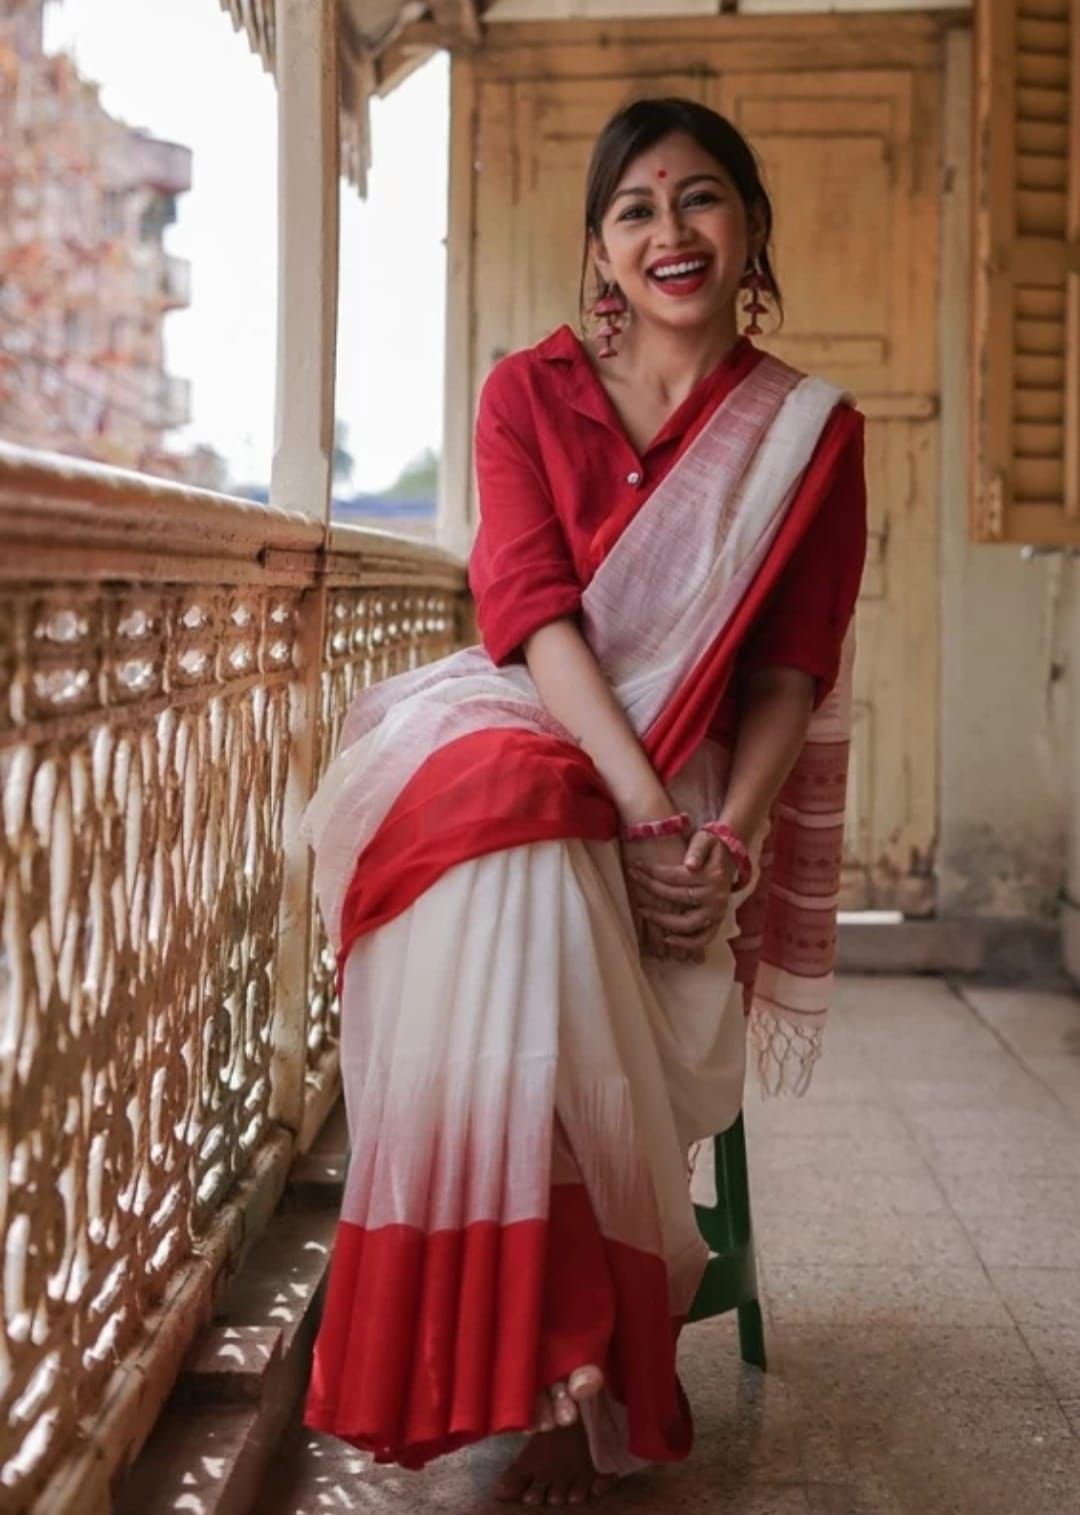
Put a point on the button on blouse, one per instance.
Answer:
(548, 444)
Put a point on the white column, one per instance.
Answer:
(455, 524)
(308, 177)
(308, 173)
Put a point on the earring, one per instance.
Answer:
(610, 309)
(754, 280)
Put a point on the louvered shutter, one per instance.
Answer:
(1026, 312)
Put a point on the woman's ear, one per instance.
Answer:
(598, 253)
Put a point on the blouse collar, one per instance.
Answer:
(563, 347)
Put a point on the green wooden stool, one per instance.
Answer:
(730, 1281)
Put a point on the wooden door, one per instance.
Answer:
(849, 148)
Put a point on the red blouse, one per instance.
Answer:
(553, 462)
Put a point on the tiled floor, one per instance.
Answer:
(918, 1229)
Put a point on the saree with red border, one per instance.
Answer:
(522, 1086)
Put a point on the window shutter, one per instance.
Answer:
(1026, 309)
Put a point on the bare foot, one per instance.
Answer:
(557, 1406)
(554, 1468)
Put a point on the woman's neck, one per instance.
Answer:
(668, 363)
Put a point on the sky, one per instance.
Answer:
(177, 69)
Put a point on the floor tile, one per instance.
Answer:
(845, 1433)
(1048, 1298)
(1049, 1125)
(1001, 1151)
(886, 1296)
(866, 1495)
(912, 1364)
(851, 1152)
(840, 1195)
(1029, 1020)
(916, 1240)
(1058, 1354)
(1061, 1076)
(1033, 1240)
(1033, 1197)
(998, 1084)
(797, 1118)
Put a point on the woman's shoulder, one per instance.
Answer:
(846, 415)
(517, 376)
(523, 367)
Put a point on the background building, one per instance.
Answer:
(85, 281)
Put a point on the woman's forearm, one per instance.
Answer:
(774, 714)
(573, 688)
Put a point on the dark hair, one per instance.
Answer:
(636, 128)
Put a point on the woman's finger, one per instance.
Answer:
(671, 873)
(700, 850)
(681, 925)
(699, 938)
(684, 950)
(711, 887)
(655, 945)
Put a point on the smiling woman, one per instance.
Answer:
(579, 823)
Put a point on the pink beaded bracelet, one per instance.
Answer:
(675, 825)
(744, 868)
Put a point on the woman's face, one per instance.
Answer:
(675, 237)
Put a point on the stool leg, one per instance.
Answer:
(752, 1334)
(733, 1182)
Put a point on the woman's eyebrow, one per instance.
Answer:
(646, 189)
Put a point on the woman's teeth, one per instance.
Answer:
(680, 270)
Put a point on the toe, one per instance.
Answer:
(534, 1493)
(565, 1408)
(556, 1493)
(600, 1486)
(543, 1413)
(509, 1488)
(585, 1382)
(577, 1493)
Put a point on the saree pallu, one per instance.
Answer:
(522, 1086)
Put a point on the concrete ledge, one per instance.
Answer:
(133, 1399)
(1002, 951)
(244, 1376)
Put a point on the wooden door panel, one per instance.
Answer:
(852, 188)
(835, 148)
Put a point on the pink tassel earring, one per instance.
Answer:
(610, 309)
(754, 280)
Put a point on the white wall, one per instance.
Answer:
(1005, 746)
(1070, 919)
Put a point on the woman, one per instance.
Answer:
(543, 860)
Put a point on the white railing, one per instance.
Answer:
(174, 666)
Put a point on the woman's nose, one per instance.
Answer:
(671, 227)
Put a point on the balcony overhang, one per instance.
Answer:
(370, 59)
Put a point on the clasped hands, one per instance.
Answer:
(679, 892)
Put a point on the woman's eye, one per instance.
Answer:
(632, 212)
(703, 197)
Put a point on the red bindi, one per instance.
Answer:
(661, 173)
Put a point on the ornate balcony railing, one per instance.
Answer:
(174, 667)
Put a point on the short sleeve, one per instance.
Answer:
(806, 619)
(521, 571)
